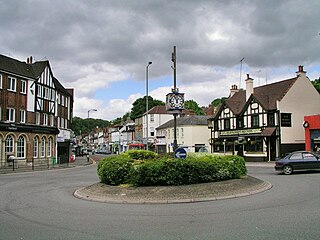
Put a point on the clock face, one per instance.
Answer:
(175, 101)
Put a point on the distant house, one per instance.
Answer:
(155, 117)
(35, 113)
(192, 134)
(265, 122)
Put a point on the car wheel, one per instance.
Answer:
(287, 170)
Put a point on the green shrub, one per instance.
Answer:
(143, 168)
(140, 154)
(114, 170)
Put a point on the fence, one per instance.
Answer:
(25, 165)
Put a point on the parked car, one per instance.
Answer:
(300, 160)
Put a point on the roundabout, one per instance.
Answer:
(173, 194)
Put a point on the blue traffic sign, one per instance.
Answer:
(180, 153)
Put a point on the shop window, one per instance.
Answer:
(254, 144)
(35, 147)
(21, 147)
(0, 81)
(42, 147)
(8, 146)
(49, 147)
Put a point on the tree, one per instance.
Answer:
(193, 106)
(80, 126)
(216, 102)
(316, 84)
(139, 106)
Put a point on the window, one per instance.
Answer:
(227, 124)
(296, 156)
(0, 81)
(182, 134)
(42, 147)
(0, 114)
(23, 86)
(240, 122)
(255, 121)
(152, 131)
(62, 100)
(11, 114)
(38, 118)
(49, 147)
(8, 145)
(151, 117)
(11, 84)
(21, 147)
(35, 147)
(52, 120)
(45, 119)
(22, 116)
(66, 123)
(271, 119)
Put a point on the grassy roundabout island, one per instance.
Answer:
(146, 168)
(146, 177)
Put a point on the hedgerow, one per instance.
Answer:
(145, 169)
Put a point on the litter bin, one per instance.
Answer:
(54, 161)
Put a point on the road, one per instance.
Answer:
(40, 205)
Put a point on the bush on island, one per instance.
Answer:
(145, 168)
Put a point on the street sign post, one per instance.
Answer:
(180, 153)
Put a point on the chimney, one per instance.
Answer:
(234, 89)
(300, 72)
(249, 87)
(29, 60)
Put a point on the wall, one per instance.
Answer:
(301, 100)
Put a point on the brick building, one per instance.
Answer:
(35, 112)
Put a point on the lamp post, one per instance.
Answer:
(210, 126)
(240, 71)
(147, 106)
(90, 110)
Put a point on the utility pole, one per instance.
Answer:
(174, 60)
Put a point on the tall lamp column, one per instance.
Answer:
(147, 103)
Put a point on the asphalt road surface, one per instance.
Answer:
(41, 205)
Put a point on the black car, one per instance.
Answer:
(300, 160)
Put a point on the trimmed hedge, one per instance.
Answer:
(130, 169)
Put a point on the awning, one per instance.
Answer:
(269, 131)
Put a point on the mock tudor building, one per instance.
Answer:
(265, 122)
(35, 112)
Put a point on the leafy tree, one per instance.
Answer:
(316, 84)
(194, 106)
(216, 102)
(139, 106)
(80, 126)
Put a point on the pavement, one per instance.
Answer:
(125, 194)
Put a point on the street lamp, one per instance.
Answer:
(210, 126)
(147, 80)
(90, 110)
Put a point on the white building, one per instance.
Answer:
(192, 134)
(265, 122)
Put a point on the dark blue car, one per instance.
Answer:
(300, 160)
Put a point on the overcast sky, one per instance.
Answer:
(101, 48)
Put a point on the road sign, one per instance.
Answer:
(180, 153)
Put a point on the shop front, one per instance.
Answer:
(256, 145)
(311, 125)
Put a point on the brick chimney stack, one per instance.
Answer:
(300, 72)
(234, 89)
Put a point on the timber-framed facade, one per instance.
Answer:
(31, 113)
